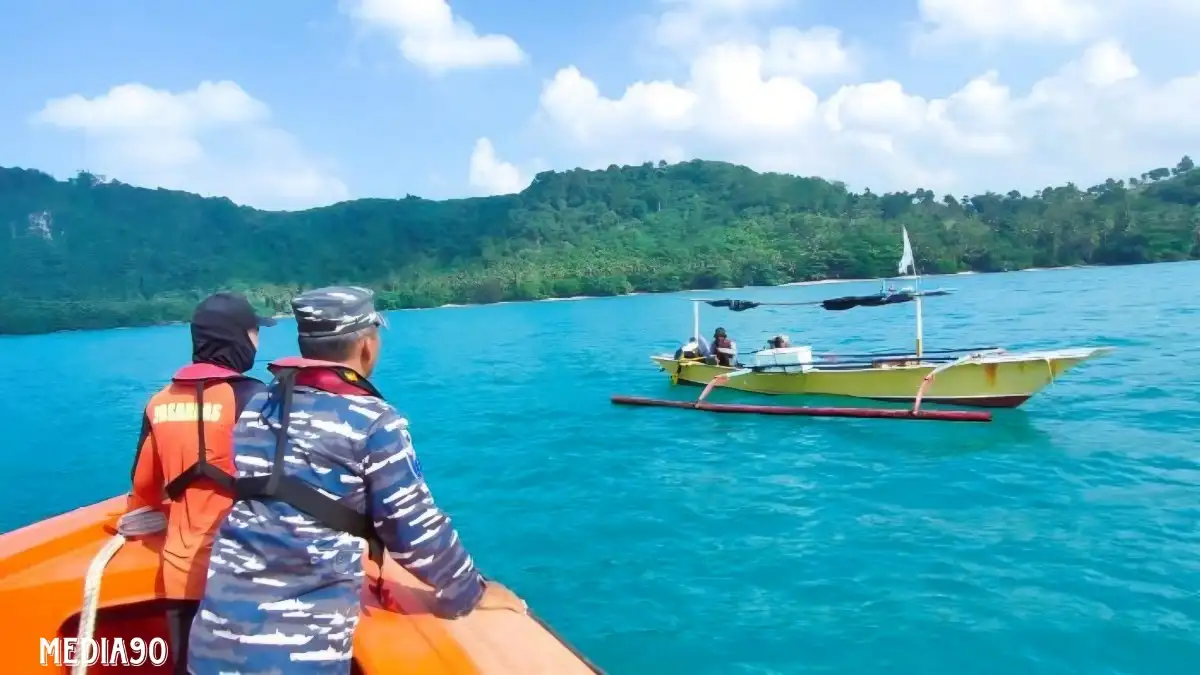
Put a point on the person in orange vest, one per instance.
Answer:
(184, 464)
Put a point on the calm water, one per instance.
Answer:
(1060, 539)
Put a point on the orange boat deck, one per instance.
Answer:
(42, 569)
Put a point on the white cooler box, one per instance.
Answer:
(783, 359)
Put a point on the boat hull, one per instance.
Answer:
(995, 381)
(42, 569)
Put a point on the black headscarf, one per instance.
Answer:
(225, 345)
(221, 332)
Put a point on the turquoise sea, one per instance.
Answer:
(1062, 538)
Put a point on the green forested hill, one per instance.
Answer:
(90, 253)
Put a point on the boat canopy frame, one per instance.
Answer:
(888, 295)
(883, 298)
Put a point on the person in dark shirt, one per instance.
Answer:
(724, 349)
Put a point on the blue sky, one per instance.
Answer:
(1064, 90)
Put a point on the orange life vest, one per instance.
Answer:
(186, 454)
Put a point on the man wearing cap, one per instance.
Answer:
(200, 406)
(324, 463)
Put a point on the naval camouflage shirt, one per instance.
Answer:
(283, 590)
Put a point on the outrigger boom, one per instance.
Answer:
(811, 411)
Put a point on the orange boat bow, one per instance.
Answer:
(42, 569)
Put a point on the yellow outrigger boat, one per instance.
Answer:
(988, 377)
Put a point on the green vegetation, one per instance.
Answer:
(92, 253)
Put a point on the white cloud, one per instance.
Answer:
(215, 140)
(430, 36)
(133, 107)
(491, 175)
(807, 55)
(735, 90)
(991, 23)
(1107, 63)
(687, 24)
(1097, 116)
(1026, 20)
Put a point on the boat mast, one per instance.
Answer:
(907, 262)
(919, 327)
(696, 321)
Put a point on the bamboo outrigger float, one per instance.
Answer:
(977, 377)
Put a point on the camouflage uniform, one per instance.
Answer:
(283, 590)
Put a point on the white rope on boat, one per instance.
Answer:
(136, 523)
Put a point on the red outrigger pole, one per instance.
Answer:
(882, 413)
(877, 413)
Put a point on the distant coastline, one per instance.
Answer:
(817, 282)
(821, 282)
(790, 284)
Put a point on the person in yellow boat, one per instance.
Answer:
(324, 462)
(199, 407)
(694, 348)
(724, 349)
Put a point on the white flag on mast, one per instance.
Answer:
(906, 260)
